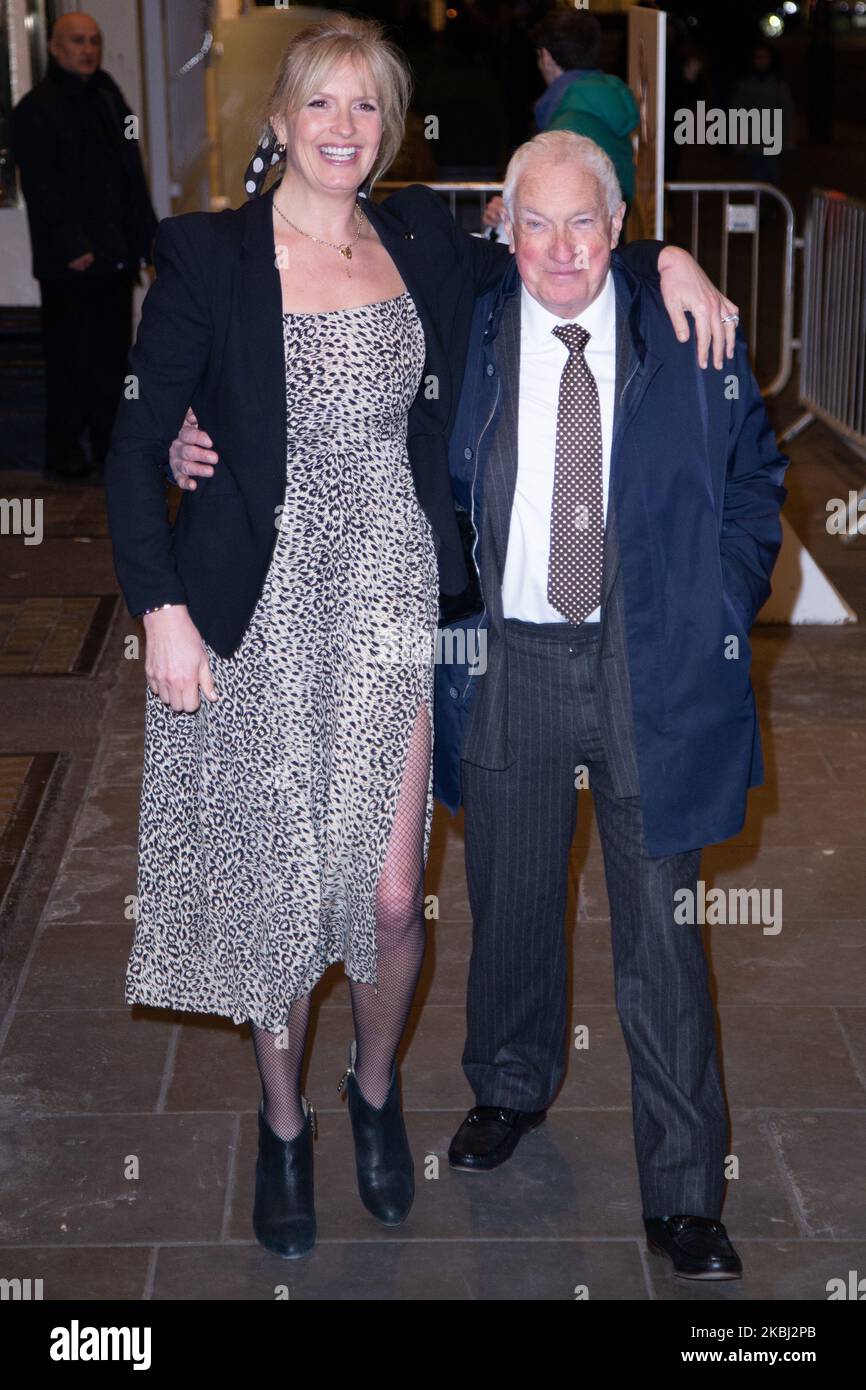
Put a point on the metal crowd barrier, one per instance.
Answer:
(482, 192)
(833, 352)
(737, 218)
(833, 334)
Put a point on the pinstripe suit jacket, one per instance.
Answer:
(487, 742)
(692, 536)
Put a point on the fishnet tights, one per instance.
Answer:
(379, 1012)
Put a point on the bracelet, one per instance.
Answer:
(158, 609)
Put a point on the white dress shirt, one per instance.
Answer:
(542, 358)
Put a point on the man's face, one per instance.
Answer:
(76, 44)
(562, 235)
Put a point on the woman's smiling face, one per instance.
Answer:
(333, 140)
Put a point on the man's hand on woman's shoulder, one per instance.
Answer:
(687, 289)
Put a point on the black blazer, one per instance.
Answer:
(211, 337)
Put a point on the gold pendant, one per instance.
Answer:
(346, 251)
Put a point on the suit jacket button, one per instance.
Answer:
(467, 452)
(410, 236)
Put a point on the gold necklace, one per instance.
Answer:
(344, 250)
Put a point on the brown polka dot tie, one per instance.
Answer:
(577, 514)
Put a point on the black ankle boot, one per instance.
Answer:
(284, 1218)
(386, 1174)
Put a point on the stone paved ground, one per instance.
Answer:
(85, 1081)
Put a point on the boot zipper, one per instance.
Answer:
(310, 1116)
(350, 1070)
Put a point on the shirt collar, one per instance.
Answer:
(598, 318)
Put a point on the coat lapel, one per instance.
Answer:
(261, 309)
(635, 369)
(262, 318)
(398, 240)
(501, 470)
(624, 365)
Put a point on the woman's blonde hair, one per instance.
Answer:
(318, 48)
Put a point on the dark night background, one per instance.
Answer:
(480, 77)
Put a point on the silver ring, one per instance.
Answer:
(730, 318)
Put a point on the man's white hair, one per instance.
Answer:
(563, 147)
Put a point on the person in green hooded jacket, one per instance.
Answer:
(579, 96)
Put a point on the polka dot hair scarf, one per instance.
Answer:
(268, 152)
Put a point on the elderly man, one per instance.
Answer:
(91, 228)
(626, 508)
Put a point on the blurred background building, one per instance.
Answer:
(198, 71)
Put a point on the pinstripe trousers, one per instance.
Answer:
(519, 826)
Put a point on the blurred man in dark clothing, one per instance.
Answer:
(91, 229)
(685, 86)
(763, 88)
(510, 53)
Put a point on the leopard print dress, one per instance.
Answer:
(265, 816)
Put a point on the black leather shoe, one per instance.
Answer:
(284, 1218)
(698, 1246)
(489, 1135)
(383, 1159)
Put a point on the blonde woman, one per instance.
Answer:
(285, 817)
